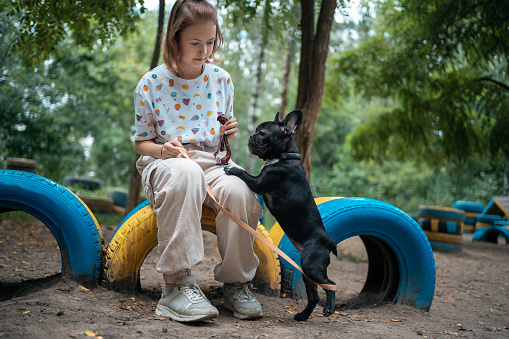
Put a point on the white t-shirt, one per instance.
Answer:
(168, 107)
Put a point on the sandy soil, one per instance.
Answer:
(472, 293)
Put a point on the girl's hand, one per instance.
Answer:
(170, 150)
(230, 129)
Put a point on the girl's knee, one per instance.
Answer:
(181, 175)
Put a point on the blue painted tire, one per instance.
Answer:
(488, 218)
(70, 221)
(445, 247)
(443, 213)
(491, 234)
(469, 221)
(401, 263)
(469, 206)
(443, 226)
(130, 214)
(479, 234)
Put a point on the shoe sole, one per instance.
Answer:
(169, 313)
(241, 316)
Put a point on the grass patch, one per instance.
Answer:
(112, 219)
(17, 216)
(350, 257)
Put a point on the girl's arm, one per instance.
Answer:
(149, 147)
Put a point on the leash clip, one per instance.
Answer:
(219, 161)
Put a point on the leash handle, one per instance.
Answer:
(260, 237)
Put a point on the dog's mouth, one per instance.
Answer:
(259, 150)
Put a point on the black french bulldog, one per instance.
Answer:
(286, 192)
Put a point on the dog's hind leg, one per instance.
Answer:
(313, 299)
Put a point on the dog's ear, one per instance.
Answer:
(277, 118)
(292, 122)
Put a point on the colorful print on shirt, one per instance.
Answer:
(169, 108)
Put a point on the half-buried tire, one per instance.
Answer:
(401, 265)
(136, 236)
(70, 221)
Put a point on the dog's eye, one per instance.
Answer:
(261, 133)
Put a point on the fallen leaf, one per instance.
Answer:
(84, 289)
(91, 334)
(26, 312)
(395, 320)
(72, 335)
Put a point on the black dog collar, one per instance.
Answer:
(285, 156)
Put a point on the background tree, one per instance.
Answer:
(135, 180)
(444, 65)
(73, 112)
(313, 55)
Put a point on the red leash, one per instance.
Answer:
(223, 143)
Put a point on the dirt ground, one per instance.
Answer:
(471, 297)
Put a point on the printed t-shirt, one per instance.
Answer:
(168, 107)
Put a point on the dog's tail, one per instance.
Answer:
(332, 247)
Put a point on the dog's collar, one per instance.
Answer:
(283, 156)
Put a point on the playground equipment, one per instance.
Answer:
(72, 224)
(401, 264)
(137, 235)
(443, 227)
(472, 210)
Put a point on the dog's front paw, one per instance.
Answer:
(230, 170)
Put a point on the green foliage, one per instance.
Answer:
(45, 24)
(427, 116)
(31, 126)
(81, 93)
(432, 59)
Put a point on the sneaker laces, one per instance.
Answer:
(243, 293)
(193, 293)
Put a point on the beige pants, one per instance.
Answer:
(176, 187)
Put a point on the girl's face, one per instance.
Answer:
(195, 46)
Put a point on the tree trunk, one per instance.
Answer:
(312, 72)
(286, 75)
(255, 93)
(133, 196)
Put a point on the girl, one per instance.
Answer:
(177, 105)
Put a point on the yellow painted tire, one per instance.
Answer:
(442, 213)
(137, 236)
(469, 228)
(268, 275)
(479, 224)
(444, 237)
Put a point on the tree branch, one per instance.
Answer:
(498, 83)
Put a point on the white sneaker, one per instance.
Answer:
(185, 302)
(239, 299)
